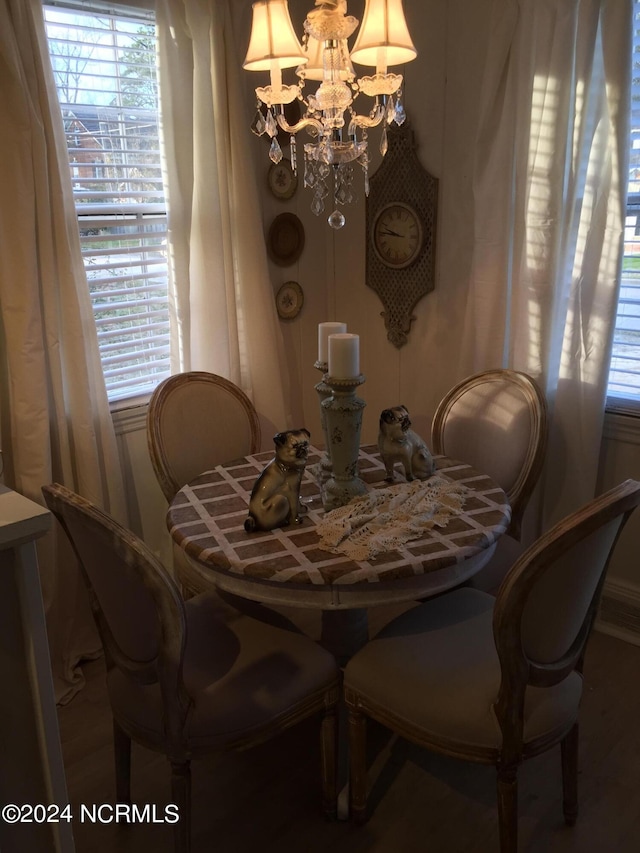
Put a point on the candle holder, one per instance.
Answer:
(323, 391)
(343, 414)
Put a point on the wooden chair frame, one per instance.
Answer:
(159, 399)
(521, 490)
(167, 670)
(518, 672)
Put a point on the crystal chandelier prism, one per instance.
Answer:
(338, 133)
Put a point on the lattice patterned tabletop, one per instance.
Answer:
(206, 518)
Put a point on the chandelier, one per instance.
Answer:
(338, 133)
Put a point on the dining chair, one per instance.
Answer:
(186, 678)
(494, 680)
(195, 421)
(497, 422)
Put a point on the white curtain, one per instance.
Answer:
(549, 203)
(224, 317)
(56, 424)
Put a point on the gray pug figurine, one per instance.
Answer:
(398, 443)
(275, 499)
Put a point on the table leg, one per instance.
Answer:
(344, 632)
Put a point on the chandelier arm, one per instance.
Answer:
(304, 122)
(368, 121)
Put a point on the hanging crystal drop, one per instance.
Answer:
(271, 124)
(384, 142)
(309, 174)
(400, 113)
(391, 110)
(317, 205)
(336, 220)
(365, 168)
(258, 126)
(275, 152)
(344, 178)
(294, 154)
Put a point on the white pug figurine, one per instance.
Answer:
(275, 498)
(398, 443)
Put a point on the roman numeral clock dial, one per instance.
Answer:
(397, 235)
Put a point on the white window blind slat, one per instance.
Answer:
(623, 391)
(103, 60)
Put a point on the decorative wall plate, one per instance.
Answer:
(282, 180)
(289, 300)
(285, 241)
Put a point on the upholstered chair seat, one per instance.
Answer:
(242, 675)
(494, 680)
(437, 668)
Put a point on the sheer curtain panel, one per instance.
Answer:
(549, 191)
(56, 423)
(224, 316)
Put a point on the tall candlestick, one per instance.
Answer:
(344, 356)
(344, 422)
(324, 330)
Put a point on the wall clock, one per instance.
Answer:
(401, 233)
(397, 236)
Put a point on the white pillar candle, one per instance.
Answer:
(344, 356)
(324, 330)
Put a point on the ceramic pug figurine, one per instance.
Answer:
(398, 443)
(275, 499)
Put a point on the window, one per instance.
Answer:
(104, 68)
(624, 376)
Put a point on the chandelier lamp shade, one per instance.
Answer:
(337, 132)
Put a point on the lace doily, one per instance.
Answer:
(385, 519)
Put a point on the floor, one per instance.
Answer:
(268, 799)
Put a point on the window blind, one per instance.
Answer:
(103, 61)
(624, 376)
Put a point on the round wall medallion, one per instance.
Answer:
(289, 300)
(282, 180)
(285, 241)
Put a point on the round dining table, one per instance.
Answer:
(287, 565)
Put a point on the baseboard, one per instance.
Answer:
(619, 613)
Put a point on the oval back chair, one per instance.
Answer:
(195, 421)
(494, 680)
(497, 422)
(190, 678)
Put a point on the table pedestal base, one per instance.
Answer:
(344, 632)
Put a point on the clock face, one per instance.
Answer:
(397, 235)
